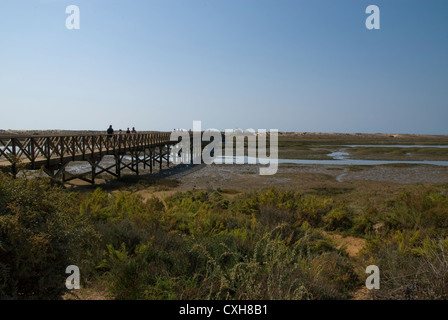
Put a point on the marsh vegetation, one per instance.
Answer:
(204, 244)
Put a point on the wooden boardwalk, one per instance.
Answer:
(54, 153)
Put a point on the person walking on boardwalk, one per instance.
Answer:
(110, 134)
(128, 131)
(133, 131)
(110, 131)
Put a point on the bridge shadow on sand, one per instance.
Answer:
(167, 178)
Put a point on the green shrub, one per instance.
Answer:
(41, 234)
(338, 219)
(275, 270)
(418, 275)
(313, 209)
(362, 225)
(411, 249)
(426, 208)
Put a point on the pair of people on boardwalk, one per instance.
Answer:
(131, 132)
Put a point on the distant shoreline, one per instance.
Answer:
(9, 132)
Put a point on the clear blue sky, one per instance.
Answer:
(292, 65)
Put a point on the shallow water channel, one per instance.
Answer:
(338, 158)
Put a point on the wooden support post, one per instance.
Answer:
(154, 156)
(168, 156)
(73, 148)
(93, 163)
(93, 171)
(117, 165)
(151, 160)
(132, 160)
(160, 158)
(14, 159)
(48, 155)
(61, 148)
(33, 153)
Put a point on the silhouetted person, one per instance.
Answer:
(110, 131)
(133, 131)
(128, 131)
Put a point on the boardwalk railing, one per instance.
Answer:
(55, 152)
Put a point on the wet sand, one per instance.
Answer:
(245, 177)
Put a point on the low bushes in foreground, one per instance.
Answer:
(270, 244)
